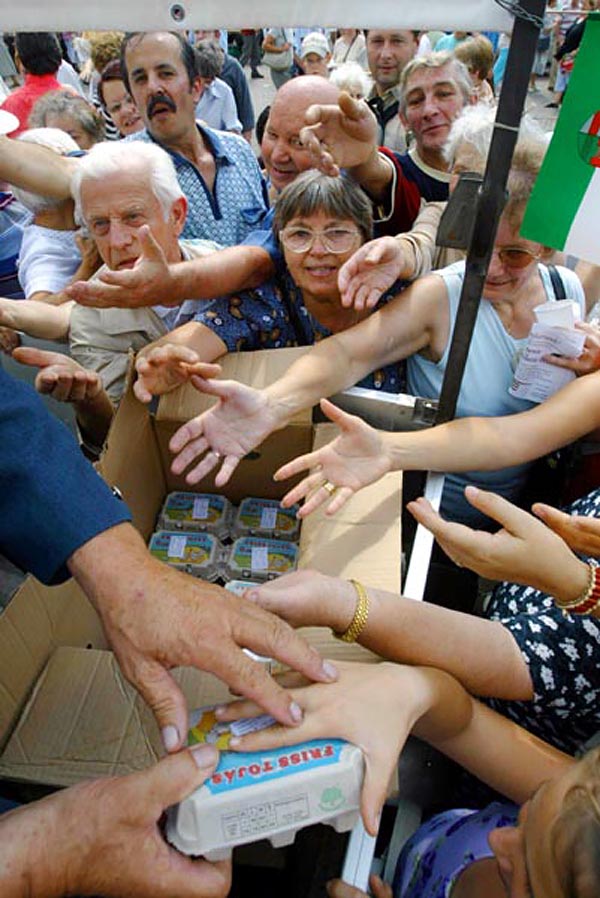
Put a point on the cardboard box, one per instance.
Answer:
(66, 713)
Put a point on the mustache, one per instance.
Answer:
(159, 100)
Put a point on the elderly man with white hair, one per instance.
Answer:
(123, 193)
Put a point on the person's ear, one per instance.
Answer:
(179, 214)
(197, 88)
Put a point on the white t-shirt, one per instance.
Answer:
(48, 259)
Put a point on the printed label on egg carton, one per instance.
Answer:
(269, 794)
(196, 553)
(266, 517)
(208, 512)
(260, 558)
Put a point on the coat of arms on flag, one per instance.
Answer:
(564, 209)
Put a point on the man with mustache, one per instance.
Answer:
(217, 172)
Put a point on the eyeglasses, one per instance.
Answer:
(515, 257)
(335, 240)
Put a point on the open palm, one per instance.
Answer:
(354, 459)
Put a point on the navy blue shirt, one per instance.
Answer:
(52, 501)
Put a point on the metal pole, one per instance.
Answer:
(491, 197)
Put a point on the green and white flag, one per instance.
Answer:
(564, 209)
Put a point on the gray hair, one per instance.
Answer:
(436, 60)
(351, 77)
(313, 192)
(61, 102)
(209, 58)
(112, 157)
(59, 142)
(475, 126)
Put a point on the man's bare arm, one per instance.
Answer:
(153, 281)
(36, 168)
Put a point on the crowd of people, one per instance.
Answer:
(136, 216)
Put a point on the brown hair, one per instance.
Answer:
(477, 54)
(575, 834)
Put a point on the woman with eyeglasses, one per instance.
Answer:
(417, 326)
(319, 222)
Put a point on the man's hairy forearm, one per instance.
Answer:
(226, 271)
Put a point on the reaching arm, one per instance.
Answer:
(153, 281)
(345, 137)
(36, 168)
(481, 654)
(378, 264)
(414, 321)
(361, 454)
(377, 706)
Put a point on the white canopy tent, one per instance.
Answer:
(147, 15)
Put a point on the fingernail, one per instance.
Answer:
(170, 737)
(252, 596)
(204, 755)
(234, 742)
(329, 670)
(219, 710)
(296, 712)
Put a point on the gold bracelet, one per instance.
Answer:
(589, 599)
(361, 613)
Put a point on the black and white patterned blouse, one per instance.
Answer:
(562, 654)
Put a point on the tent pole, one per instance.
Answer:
(491, 198)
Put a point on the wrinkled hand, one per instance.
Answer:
(148, 283)
(370, 271)
(238, 423)
(9, 340)
(60, 376)
(307, 598)
(374, 706)
(90, 257)
(581, 533)
(168, 366)
(109, 841)
(157, 618)
(589, 359)
(352, 461)
(337, 888)
(341, 136)
(523, 551)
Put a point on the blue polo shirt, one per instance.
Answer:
(238, 201)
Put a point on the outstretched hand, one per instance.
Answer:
(581, 533)
(165, 367)
(353, 460)
(342, 136)
(148, 283)
(238, 423)
(60, 376)
(523, 551)
(374, 706)
(370, 271)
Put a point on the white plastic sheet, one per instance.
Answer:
(147, 15)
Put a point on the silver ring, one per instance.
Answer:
(215, 453)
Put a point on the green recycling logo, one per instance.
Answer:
(332, 799)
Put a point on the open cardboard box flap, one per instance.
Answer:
(65, 711)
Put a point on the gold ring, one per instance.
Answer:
(330, 487)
